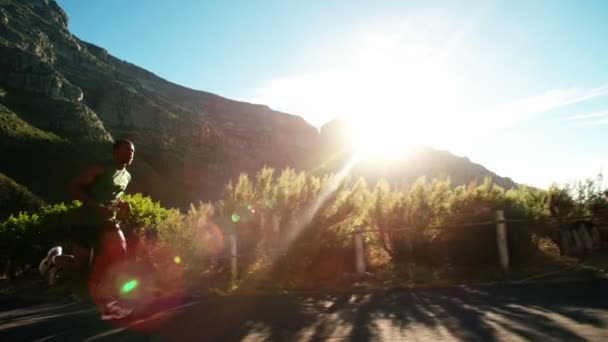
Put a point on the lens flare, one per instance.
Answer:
(177, 259)
(235, 217)
(129, 286)
(250, 207)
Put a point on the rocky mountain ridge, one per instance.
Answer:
(64, 100)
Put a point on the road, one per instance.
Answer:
(575, 311)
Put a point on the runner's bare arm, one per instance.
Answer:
(78, 185)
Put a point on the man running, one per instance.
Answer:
(100, 188)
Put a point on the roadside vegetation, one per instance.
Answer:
(296, 230)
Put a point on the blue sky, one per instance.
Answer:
(520, 87)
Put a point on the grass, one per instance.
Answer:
(14, 198)
(14, 127)
(4, 42)
(381, 278)
(544, 266)
(598, 262)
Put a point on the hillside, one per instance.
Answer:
(63, 101)
(15, 198)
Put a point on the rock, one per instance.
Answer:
(49, 9)
(70, 92)
(99, 52)
(4, 17)
(27, 72)
(58, 14)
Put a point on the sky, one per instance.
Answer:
(520, 87)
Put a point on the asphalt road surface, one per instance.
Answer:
(531, 312)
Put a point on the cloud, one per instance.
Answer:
(317, 96)
(600, 122)
(388, 68)
(597, 118)
(400, 73)
(582, 117)
(562, 172)
(522, 109)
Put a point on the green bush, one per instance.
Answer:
(149, 218)
(25, 238)
(298, 225)
(476, 245)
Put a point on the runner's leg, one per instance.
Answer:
(109, 256)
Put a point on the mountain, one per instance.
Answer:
(401, 169)
(63, 101)
(77, 97)
(15, 197)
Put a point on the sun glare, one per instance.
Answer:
(381, 140)
(400, 112)
(396, 89)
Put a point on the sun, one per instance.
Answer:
(398, 99)
(397, 93)
(382, 139)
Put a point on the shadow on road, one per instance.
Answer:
(564, 312)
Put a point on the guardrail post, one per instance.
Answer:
(233, 257)
(359, 253)
(276, 235)
(501, 239)
(584, 236)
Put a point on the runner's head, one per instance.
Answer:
(123, 151)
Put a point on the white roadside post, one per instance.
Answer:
(501, 238)
(585, 238)
(233, 257)
(276, 235)
(359, 255)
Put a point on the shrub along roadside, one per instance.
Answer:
(297, 227)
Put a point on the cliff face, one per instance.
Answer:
(63, 101)
(189, 143)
